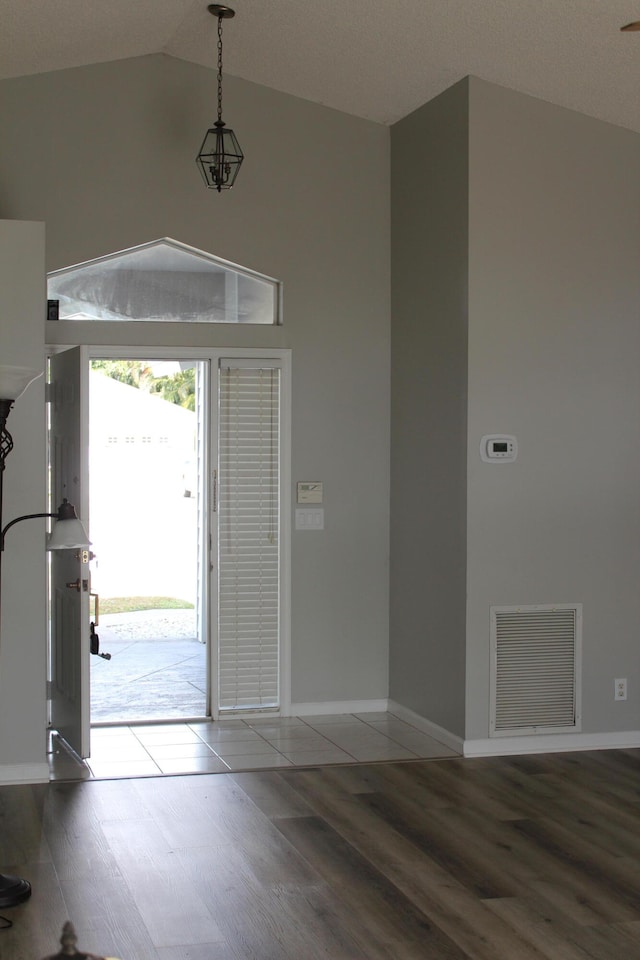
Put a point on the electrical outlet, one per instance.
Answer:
(620, 688)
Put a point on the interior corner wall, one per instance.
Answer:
(554, 342)
(23, 627)
(429, 258)
(310, 208)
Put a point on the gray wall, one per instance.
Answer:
(23, 615)
(105, 156)
(554, 342)
(515, 224)
(429, 408)
(515, 250)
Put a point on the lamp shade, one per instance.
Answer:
(68, 532)
(15, 380)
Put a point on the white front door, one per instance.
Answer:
(70, 584)
(243, 647)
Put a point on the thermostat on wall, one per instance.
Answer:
(310, 491)
(498, 448)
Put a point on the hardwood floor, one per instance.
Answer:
(517, 858)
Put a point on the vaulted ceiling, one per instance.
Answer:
(378, 59)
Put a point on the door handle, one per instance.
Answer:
(78, 585)
(96, 608)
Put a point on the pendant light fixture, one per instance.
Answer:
(220, 155)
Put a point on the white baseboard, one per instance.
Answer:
(328, 707)
(15, 773)
(512, 746)
(551, 743)
(426, 726)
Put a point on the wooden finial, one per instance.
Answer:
(68, 942)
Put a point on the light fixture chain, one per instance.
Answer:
(220, 155)
(220, 67)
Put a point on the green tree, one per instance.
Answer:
(178, 388)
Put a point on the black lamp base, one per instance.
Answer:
(13, 891)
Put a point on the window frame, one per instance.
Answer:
(225, 265)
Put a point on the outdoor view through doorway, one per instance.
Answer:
(145, 503)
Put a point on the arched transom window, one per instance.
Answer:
(164, 281)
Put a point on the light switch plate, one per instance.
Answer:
(308, 518)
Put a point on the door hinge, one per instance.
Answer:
(48, 689)
(49, 392)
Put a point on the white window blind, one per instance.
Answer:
(249, 535)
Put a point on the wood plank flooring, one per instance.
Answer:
(519, 858)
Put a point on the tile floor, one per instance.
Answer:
(153, 750)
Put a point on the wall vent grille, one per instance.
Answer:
(535, 669)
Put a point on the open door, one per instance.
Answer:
(70, 583)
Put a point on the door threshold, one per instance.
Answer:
(149, 722)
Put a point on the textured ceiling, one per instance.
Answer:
(374, 59)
